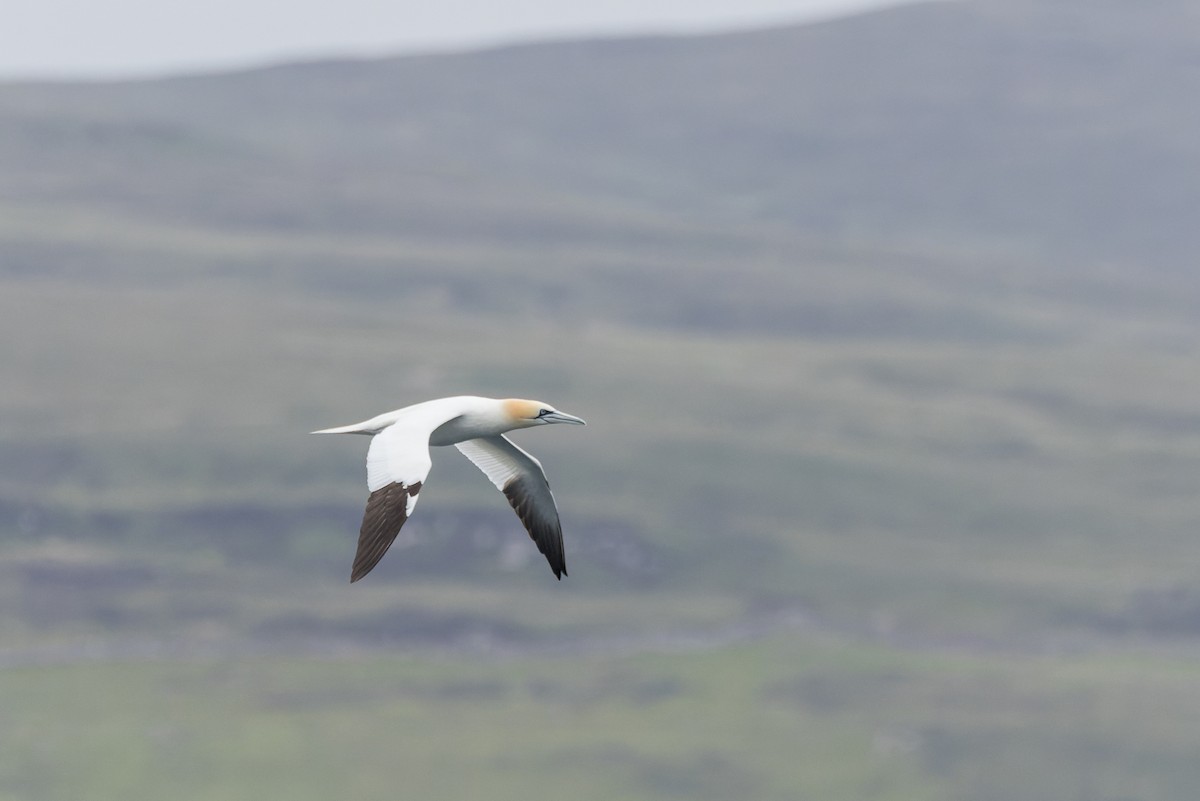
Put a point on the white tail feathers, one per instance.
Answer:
(372, 426)
(357, 428)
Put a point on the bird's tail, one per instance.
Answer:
(372, 426)
(357, 428)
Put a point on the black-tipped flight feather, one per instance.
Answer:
(521, 478)
(387, 509)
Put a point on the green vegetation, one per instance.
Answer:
(888, 485)
(777, 720)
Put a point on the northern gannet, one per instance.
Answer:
(398, 462)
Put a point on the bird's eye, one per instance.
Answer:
(543, 412)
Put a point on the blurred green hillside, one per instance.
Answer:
(885, 329)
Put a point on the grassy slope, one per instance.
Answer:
(777, 720)
(972, 464)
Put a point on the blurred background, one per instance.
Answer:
(883, 319)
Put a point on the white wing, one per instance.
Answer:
(520, 477)
(397, 465)
(398, 454)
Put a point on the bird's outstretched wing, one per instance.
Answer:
(520, 477)
(397, 465)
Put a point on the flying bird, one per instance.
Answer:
(398, 462)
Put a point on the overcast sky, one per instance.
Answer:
(111, 38)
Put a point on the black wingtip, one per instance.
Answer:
(359, 570)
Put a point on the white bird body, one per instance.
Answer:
(398, 463)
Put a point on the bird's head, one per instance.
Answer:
(527, 413)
